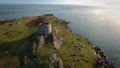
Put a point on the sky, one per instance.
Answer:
(106, 3)
(103, 3)
(82, 2)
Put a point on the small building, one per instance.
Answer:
(44, 28)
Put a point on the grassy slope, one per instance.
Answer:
(15, 30)
(13, 39)
(71, 43)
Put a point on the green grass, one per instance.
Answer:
(70, 40)
(15, 30)
(13, 38)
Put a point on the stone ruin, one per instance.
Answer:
(44, 28)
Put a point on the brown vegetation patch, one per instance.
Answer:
(3, 21)
(41, 19)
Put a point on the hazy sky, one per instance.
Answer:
(106, 3)
(83, 2)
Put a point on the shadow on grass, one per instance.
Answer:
(19, 48)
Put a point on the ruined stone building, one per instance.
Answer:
(44, 28)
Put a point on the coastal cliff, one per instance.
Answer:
(45, 42)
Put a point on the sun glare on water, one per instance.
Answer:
(105, 17)
(97, 11)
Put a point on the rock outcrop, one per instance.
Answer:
(53, 58)
(57, 40)
(72, 66)
(57, 61)
(37, 44)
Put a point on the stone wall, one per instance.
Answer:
(44, 28)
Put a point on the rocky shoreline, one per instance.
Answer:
(103, 61)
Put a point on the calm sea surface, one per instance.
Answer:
(95, 23)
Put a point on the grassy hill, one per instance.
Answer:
(15, 46)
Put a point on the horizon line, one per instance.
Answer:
(46, 4)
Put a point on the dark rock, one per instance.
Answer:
(53, 58)
(71, 66)
(86, 60)
(48, 15)
(60, 63)
(100, 62)
(66, 22)
(79, 48)
(76, 46)
(26, 60)
(98, 50)
(82, 55)
(76, 60)
(6, 53)
(74, 54)
(57, 61)
(103, 61)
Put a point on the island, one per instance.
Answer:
(46, 42)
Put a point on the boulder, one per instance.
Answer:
(57, 43)
(79, 48)
(59, 63)
(72, 66)
(74, 54)
(33, 48)
(25, 60)
(40, 41)
(76, 60)
(75, 45)
(53, 58)
(56, 30)
(86, 60)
